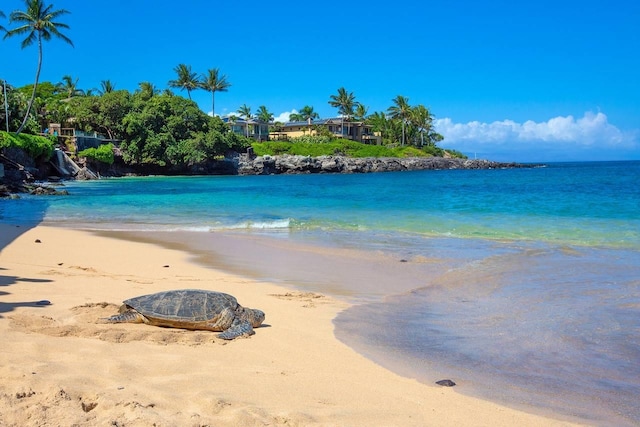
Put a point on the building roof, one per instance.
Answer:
(333, 120)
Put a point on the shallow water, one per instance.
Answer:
(549, 327)
(520, 285)
(532, 325)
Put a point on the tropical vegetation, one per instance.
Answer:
(155, 127)
(214, 82)
(37, 147)
(101, 154)
(320, 146)
(37, 22)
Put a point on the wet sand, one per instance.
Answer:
(60, 366)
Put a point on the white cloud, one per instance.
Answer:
(284, 117)
(560, 137)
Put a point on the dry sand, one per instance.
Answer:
(59, 366)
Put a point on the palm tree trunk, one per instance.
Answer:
(35, 85)
(213, 103)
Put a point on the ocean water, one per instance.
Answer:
(521, 285)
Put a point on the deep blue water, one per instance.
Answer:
(522, 285)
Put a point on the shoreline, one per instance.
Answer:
(60, 365)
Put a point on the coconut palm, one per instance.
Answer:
(147, 90)
(3, 16)
(422, 119)
(307, 114)
(245, 111)
(400, 110)
(345, 102)
(38, 22)
(187, 79)
(361, 112)
(214, 82)
(106, 87)
(69, 86)
(295, 117)
(264, 116)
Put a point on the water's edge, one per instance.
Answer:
(235, 255)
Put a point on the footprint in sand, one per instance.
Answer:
(309, 298)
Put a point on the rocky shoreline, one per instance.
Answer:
(23, 179)
(289, 164)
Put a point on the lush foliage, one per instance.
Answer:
(405, 124)
(343, 147)
(104, 153)
(35, 146)
(103, 114)
(161, 129)
(171, 130)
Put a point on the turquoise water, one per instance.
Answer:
(522, 285)
(582, 203)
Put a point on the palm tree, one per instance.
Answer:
(69, 86)
(245, 111)
(361, 112)
(295, 117)
(106, 87)
(214, 82)
(345, 102)
(422, 119)
(187, 79)
(147, 90)
(38, 23)
(4, 90)
(307, 114)
(401, 110)
(264, 116)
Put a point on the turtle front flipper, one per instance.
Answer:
(127, 316)
(238, 328)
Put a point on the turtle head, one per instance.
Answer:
(255, 317)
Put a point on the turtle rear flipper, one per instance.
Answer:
(238, 328)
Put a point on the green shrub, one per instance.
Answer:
(103, 153)
(312, 139)
(342, 147)
(34, 145)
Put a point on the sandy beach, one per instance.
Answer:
(60, 366)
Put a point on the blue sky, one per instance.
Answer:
(506, 80)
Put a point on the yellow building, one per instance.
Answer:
(356, 131)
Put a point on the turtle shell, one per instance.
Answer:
(187, 305)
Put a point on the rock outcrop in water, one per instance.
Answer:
(288, 164)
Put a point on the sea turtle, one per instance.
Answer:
(191, 309)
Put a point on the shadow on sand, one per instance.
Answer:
(6, 307)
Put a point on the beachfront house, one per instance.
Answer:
(251, 128)
(355, 131)
(78, 139)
